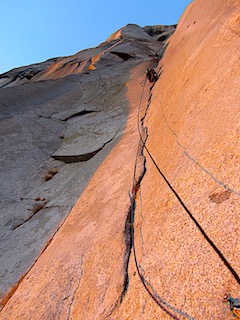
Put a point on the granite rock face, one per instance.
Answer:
(57, 126)
(154, 234)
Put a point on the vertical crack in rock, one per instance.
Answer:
(128, 248)
(129, 224)
(128, 229)
(75, 291)
(139, 172)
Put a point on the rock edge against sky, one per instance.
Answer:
(83, 262)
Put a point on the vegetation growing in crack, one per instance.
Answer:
(50, 174)
(35, 208)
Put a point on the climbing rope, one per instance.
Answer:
(160, 302)
(148, 287)
(146, 284)
(227, 264)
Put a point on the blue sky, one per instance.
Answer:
(36, 30)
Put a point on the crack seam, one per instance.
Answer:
(75, 292)
(8, 296)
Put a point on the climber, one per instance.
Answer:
(234, 305)
(151, 75)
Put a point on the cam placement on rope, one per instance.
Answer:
(234, 305)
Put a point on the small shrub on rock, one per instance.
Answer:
(50, 174)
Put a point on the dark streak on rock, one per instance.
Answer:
(122, 55)
(76, 158)
(129, 229)
(128, 248)
(78, 114)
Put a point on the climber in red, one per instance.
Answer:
(151, 75)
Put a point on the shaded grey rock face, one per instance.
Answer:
(160, 32)
(58, 121)
(22, 74)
